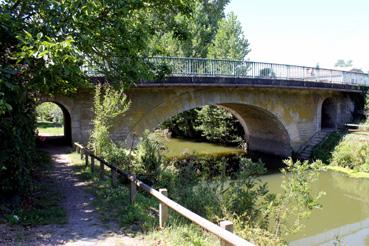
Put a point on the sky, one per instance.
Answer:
(305, 32)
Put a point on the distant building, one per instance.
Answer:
(355, 76)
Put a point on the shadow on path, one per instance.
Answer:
(84, 226)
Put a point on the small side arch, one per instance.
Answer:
(329, 111)
(67, 122)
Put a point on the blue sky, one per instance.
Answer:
(305, 32)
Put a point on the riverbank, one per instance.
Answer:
(346, 152)
(349, 172)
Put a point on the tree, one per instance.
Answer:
(343, 63)
(267, 73)
(195, 31)
(183, 124)
(50, 112)
(229, 41)
(218, 125)
(43, 45)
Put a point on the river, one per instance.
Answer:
(344, 216)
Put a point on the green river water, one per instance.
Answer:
(344, 216)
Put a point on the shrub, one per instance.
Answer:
(149, 158)
(352, 154)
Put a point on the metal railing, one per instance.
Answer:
(224, 231)
(203, 67)
(248, 69)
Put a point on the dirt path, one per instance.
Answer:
(84, 226)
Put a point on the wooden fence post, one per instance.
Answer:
(101, 170)
(82, 150)
(163, 210)
(225, 224)
(86, 158)
(114, 177)
(133, 190)
(92, 164)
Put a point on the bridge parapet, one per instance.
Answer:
(201, 67)
(221, 68)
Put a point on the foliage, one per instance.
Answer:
(182, 233)
(296, 201)
(246, 199)
(109, 104)
(49, 112)
(208, 166)
(208, 123)
(343, 63)
(241, 196)
(17, 145)
(183, 125)
(196, 31)
(267, 72)
(218, 125)
(324, 150)
(43, 46)
(256, 235)
(352, 153)
(149, 158)
(229, 41)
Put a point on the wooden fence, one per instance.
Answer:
(223, 231)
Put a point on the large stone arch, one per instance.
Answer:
(265, 130)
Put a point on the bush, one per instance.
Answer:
(148, 158)
(352, 154)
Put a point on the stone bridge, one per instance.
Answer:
(279, 106)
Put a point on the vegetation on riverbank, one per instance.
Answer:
(208, 187)
(258, 215)
(347, 152)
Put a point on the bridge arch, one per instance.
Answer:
(67, 121)
(264, 130)
(329, 111)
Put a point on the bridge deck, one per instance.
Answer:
(248, 82)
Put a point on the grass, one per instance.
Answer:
(183, 234)
(43, 205)
(45, 128)
(141, 218)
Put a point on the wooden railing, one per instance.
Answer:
(223, 231)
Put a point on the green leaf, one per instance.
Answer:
(28, 35)
(39, 35)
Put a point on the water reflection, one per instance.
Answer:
(344, 217)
